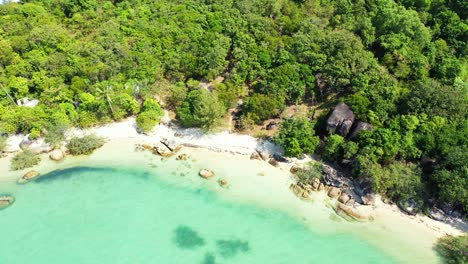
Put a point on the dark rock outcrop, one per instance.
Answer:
(280, 157)
(409, 206)
(271, 125)
(368, 199)
(334, 178)
(341, 120)
(263, 154)
(358, 127)
(362, 186)
(171, 144)
(437, 214)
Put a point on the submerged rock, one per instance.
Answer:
(223, 183)
(207, 174)
(182, 157)
(5, 201)
(348, 211)
(30, 175)
(56, 155)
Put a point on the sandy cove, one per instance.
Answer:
(123, 135)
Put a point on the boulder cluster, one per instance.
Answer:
(164, 148)
(342, 121)
(337, 187)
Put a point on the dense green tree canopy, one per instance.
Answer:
(402, 65)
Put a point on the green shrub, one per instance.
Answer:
(150, 116)
(260, 107)
(84, 145)
(312, 171)
(454, 250)
(146, 121)
(333, 147)
(3, 143)
(177, 95)
(398, 181)
(23, 160)
(201, 109)
(297, 136)
(55, 135)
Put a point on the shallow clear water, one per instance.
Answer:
(103, 215)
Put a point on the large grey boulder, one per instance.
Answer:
(358, 127)
(341, 120)
(437, 214)
(37, 146)
(362, 186)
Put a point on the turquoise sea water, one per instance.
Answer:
(104, 215)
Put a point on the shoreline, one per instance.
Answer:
(235, 149)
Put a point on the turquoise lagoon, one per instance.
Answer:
(148, 210)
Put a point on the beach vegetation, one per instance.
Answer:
(453, 249)
(84, 145)
(201, 109)
(3, 142)
(260, 107)
(297, 136)
(24, 159)
(149, 116)
(311, 171)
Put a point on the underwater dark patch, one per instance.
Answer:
(209, 259)
(64, 174)
(187, 238)
(230, 248)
